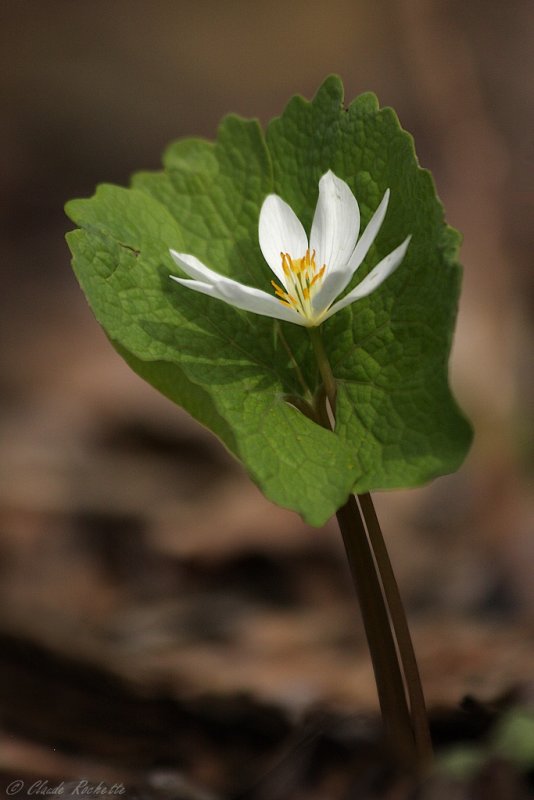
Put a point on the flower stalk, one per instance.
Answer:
(386, 627)
(421, 732)
(388, 675)
(325, 370)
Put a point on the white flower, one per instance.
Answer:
(310, 274)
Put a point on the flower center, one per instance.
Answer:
(303, 280)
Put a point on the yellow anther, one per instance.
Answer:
(296, 265)
(278, 290)
(318, 275)
(301, 276)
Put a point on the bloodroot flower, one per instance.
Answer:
(309, 275)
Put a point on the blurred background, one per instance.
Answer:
(131, 545)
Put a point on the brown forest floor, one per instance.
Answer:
(162, 624)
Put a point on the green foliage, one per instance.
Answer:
(511, 740)
(514, 738)
(244, 376)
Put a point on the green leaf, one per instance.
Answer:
(247, 377)
(389, 352)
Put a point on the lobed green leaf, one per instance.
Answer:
(245, 376)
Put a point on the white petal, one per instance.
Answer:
(336, 224)
(198, 286)
(334, 284)
(372, 281)
(194, 268)
(245, 297)
(369, 235)
(280, 231)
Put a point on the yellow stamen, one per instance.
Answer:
(318, 275)
(278, 290)
(286, 264)
(302, 282)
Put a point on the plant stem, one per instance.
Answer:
(329, 382)
(294, 363)
(389, 682)
(381, 606)
(399, 621)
